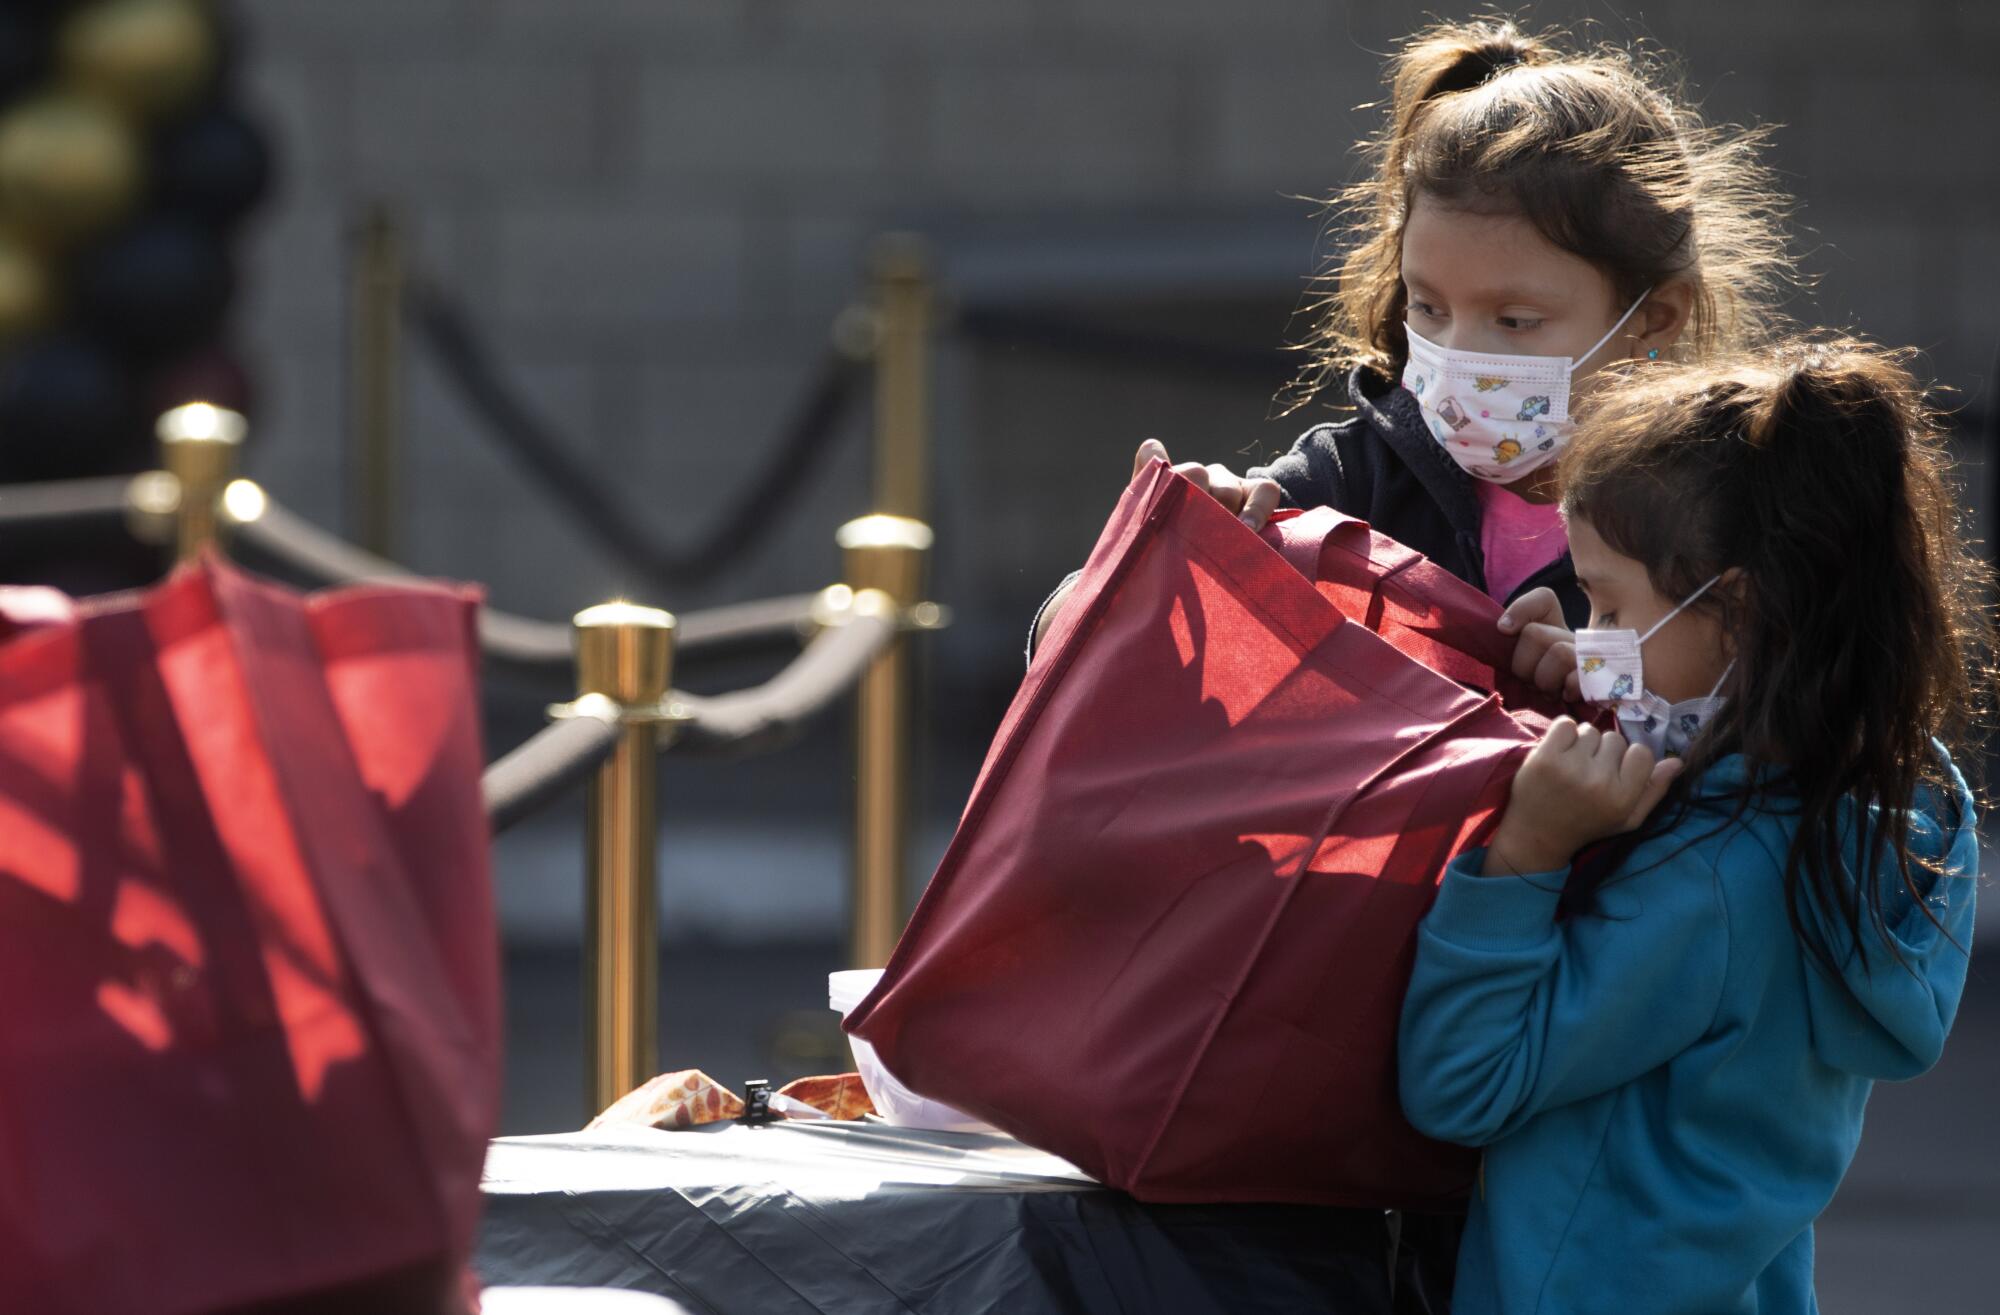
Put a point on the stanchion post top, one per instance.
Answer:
(620, 614)
(198, 446)
(626, 651)
(887, 553)
(201, 423)
(884, 531)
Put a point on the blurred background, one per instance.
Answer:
(643, 220)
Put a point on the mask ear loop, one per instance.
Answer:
(1685, 603)
(1609, 333)
(1721, 679)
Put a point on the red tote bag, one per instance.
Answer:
(1170, 938)
(249, 991)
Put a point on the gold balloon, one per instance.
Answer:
(147, 57)
(68, 168)
(25, 293)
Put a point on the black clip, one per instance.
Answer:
(756, 1101)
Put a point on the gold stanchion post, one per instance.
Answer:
(887, 554)
(198, 447)
(624, 654)
(900, 268)
(376, 349)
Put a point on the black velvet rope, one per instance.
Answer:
(602, 511)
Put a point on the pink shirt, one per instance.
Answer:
(1518, 537)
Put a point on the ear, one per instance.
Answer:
(1733, 589)
(1664, 316)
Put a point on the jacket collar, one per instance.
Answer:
(1389, 409)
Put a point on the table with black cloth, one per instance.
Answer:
(801, 1217)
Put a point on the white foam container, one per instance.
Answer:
(895, 1102)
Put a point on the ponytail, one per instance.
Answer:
(1452, 58)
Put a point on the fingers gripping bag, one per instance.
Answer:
(1170, 938)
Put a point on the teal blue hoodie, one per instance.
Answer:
(1667, 1089)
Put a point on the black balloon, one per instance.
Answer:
(158, 288)
(214, 165)
(65, 410)
(24, 50)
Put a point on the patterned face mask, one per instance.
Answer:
(1498, 416)
(1669, 728)
(1610, 669)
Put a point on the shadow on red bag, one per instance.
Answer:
(1170, 939)
(249, 992)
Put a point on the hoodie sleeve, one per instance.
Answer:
(1510, 1012)
(1314, 473)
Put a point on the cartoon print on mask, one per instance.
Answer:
(1506, 450)
(1591, 664)
(1690, 724)
(1501, 396)
(1622, 688)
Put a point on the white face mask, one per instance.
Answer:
(1498, 416)
(1610, 669)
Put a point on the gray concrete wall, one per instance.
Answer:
(655, 207)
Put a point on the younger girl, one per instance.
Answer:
(1532, 216)
(1665, 1043)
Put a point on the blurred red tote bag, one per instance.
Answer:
(249, 997)
(1170, 939)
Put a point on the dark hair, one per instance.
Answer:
(1817, 471)
(1592, 149)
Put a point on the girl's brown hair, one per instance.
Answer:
(1858, 612)
(1593, 149)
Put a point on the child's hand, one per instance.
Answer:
(1579, 785)
(1252, 500)
(1545, 653)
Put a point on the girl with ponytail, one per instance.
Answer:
(1532, 216)
(1660, 996)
